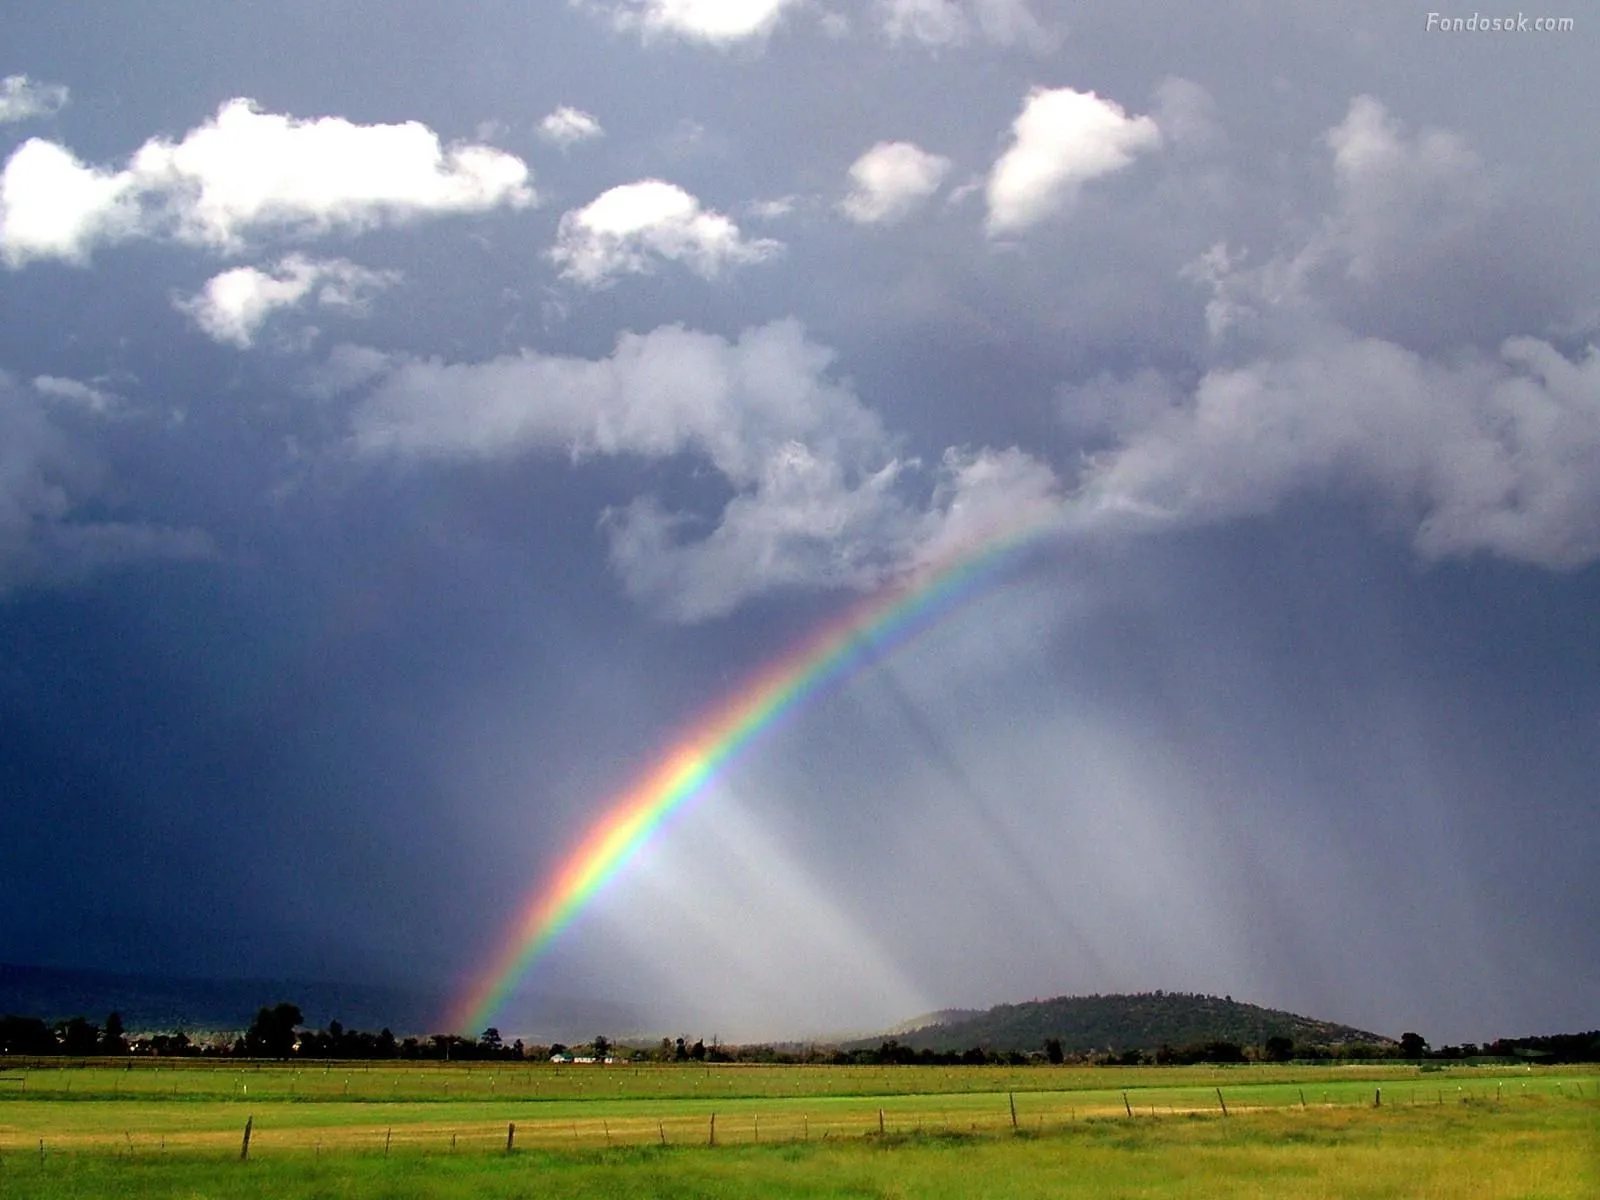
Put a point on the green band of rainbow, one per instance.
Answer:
(828, 656)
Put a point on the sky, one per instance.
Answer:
(412, 417)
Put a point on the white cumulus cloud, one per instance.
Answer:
(813, 520)
(980, 492)
(53, 206)
(1061, 140)
(246, 169)
(890, 181)
(1480, 455)
(21, 99)
(568, 126)
(1399, 195)
(1466, 450)
(247, 172)
(716, 22)
(1414, 214)
(822, 496)
(627, 229)
(657, 394)
(234, 305)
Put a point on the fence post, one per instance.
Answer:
(1222, 1102)
(712, 1139)
(244, 1146)
(1126, 1105)
(1011, 1099)
(1377, 1097)
(511, 1134)
(880, 1122)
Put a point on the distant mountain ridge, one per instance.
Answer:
(1117, 1023)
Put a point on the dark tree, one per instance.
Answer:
(27, 1035)
(602, 1047)
(1222, 1052)
(1052, 1051)
(489, 1042)
(1279, 1048)
(176, 1044)
(112, 1041)
(271, 1034)
(452, 1048)
(1412, 1045)
(78, 1037)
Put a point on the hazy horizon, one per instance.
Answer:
(153, 1003)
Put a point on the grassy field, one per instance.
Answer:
(392, 1130)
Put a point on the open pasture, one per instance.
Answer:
(424, 1129)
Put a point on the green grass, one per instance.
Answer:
(380, 1082)
(948, 1132)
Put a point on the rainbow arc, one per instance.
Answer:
(823, 660)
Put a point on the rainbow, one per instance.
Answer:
(828, 656)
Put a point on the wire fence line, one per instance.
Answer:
(408, 1132)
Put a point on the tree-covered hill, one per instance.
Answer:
(944, 1016)
(1119, 1023)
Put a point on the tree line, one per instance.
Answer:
(277, 1032)
(280, 1032)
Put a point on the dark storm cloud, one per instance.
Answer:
(349, 518)
(54, 527)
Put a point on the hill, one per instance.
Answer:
(944, 1016)
(1117, 1023)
